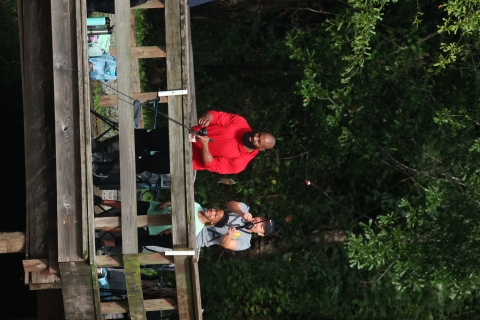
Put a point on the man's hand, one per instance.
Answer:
(247, 216)
(205, 120)
(163, 205)
(165, 232)
(232, 231)
(203, 140)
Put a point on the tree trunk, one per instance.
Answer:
(12, 242)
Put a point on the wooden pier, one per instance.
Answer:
(60, 239)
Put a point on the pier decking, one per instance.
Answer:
(60, 237)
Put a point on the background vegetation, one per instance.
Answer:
(376, 103)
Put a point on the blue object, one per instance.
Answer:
(96, 21)
(193, 3)
(104, 68)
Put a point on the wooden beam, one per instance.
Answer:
(134, 286)
(197, 298)
(143, 259)
(37, 265)
(145, 52)
(77, 291)
(45, 286)
(142, 221)
(38, 277)
(149, 305)
(151, 4)
(67, 138)
(135, 67)
(36, 32)
(112, 100)
(174, 41)
(12, 242)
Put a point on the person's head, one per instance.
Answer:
(258, 140)
(216, 217)
(264, 226)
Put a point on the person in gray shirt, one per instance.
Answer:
(237, 232)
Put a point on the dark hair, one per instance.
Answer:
(223, 221)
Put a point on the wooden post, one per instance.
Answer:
(12, 242)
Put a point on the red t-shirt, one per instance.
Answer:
(229, 154)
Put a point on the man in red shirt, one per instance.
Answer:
(234, 146)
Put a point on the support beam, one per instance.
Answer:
(12, 242)
(143, 259)
(77, 290)
(112, 100)
(144, 52)
(37, 265)
(142, 221)
(149, 305)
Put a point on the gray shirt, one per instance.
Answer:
(211, 235)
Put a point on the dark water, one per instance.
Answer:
(17, 300)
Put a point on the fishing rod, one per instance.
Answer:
(202, 132)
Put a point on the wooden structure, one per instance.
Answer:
(60, 237)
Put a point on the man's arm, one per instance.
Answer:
(219, 118)
(239, 208)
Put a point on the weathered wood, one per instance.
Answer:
(37, 265)
(145, 52)
(67, 143)
(111, 100)
(45, 286)
(197, 298)
(96, 292)
(45, 300)
(142, 221)
(126, 135)
(77, 291)
(150, 305)
(143, 259)
(35, 28)
(134, 286)
(11, 242)
(185, 295)
(39, 277)
(151, 4)
(135, 69)
(173, 29)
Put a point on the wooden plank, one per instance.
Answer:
(96, 292)
(145, 52)
(85, 129)
(67, 143)
(37, 265)
(173, 25)
(183, 279)
(39, 155)
(45, 300)
(77, 290)
(11, 242)
(151, 4)
(45, 286)
(126, 135)
(189, 117)
(38, 277)
(197, 298)
(150, 305)
(135, 69)
(111, 100)
(143, 259)
(142, 221)
(134, 286)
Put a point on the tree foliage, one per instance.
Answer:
(376, 103)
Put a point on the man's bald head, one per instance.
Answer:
(258, 140)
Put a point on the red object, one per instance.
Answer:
(307, 182)
(229, 154)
